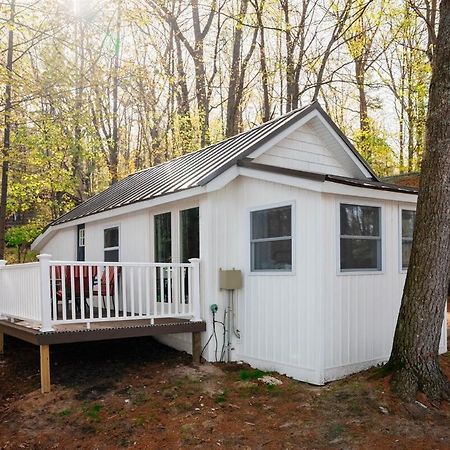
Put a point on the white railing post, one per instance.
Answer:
(46, 306)
(2, 264)
(195, 295)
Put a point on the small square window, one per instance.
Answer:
(271, 239)
(360, 238)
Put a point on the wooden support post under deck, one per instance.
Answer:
(2, 343)
(196, 347)
(45, 368)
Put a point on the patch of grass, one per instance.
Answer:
(336, 431)
(222, 397)
(140, 421)
(93, 412)
(140, 398)
(274, 389)
(65, 412)
(252, 374)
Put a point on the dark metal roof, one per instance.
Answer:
(194, 169)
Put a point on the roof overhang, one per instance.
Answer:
(43, 238)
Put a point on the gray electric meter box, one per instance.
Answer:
(230, 279)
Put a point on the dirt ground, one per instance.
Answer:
(140, 394)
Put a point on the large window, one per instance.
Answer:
(190, 234)
(360, 238)
(111, 244)
(271, 239)
(163, 238)
(408, 222)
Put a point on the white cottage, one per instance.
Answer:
(321, 244)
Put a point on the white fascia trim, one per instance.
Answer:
(42, 239)
(310, 185)
(223, 179)
(328, 187)
(280, 136)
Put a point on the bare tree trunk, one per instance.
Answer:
(414, 358)
(7, 132)
(114, 147)
(364, 125)
(259, 8)
(290, 78)
(237, 74)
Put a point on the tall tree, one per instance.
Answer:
(414, 357)
(7, 130)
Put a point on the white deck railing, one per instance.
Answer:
(52, 293)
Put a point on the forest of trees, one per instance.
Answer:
(93, 90)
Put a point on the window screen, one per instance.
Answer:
(360, 238)
(271, 239)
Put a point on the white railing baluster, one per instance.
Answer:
(177, 289)
(82, 298)
(99, 292)
(162, 295)
(72, 291)
(169, 290)
(147, 290)
(91, 293)
(183, 289)
(54, 301)
(116, 292)
(132, 291)
(108, 293)
(140, 290)
(124, 291)
(64, 292)
(155, 293)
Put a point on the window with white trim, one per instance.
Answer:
(360, 238)
(408, 222)
(271, 239)
(81, 237)
(111, 244)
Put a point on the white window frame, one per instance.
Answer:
(274, 272)
(112, 248)
(400, 236)
(82, 237)
(359, 202)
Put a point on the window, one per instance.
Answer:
(408, 222)
(190, 234)
(111, 244)
(81, 242)
(163, 238)
(271, 239)
(360, 238)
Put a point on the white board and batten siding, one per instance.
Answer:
(361, 309)
(276, 313)
(63, 245)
